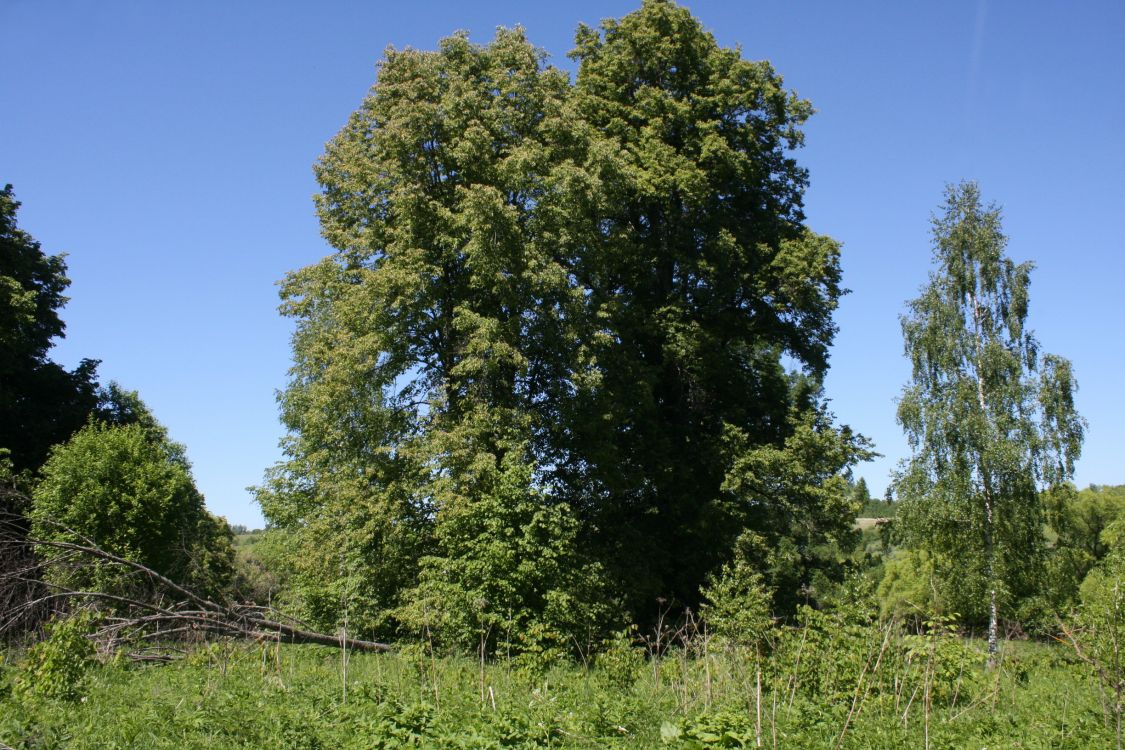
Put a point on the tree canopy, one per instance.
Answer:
(128, 489)
(699, 277)
(990, 419)
(593, 286)
(41, 403)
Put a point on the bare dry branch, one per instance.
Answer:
(136, 617)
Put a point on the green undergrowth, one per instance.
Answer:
(240, 696)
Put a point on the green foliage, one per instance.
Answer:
(737, 605)
(58, 666)
(909, 588)
(792, 503)
(879, 509)
(828, 651)
(420, 345)
(508, 573)
(721, 729)
(118, 407)
(1077, 522)
(41, 403)
(1080, 518)
(230, 697)
(861, 495)
(133, 496)
(211, 563)
(620, 662)
(949, 666)
(700, 274)
(260, 572)
(989, 418)
(870, 507)
(602, 277)
(1100, 635)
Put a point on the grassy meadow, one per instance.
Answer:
(816, 689)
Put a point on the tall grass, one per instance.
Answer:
(888, 692)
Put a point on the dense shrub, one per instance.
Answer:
(132, 495)
(508, 574)
(1100, 636)
(57, 666)
(737, 604)
(909, 588)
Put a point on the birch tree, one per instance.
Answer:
(990, 419)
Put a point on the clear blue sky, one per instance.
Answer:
(167, 147)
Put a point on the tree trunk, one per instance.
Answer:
(986, 488)
(993, 629)
(993, 609)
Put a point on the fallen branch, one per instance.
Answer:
(135, 618)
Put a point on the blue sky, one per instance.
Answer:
(167, 148)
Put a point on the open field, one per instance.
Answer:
(228, 696)
(863, 524)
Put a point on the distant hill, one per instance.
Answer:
(878, 509)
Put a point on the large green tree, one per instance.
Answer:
(425, 342)
(588, 287)
(990, 419)
(687, 430)
(41, 403)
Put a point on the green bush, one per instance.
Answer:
(130, 492)
(721, 729)
(620, 661)
(944, 662)
(1100, 635)
(828, 651)
(57, 666)
(909, 588)
(508, 576)
(737, 605)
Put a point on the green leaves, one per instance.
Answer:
(58, 666)
(700, 276)
(128, 489)
(507, 569)
(989, 417)
(41, 403)
(737, 604)
(593, 279)
(31, 288)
